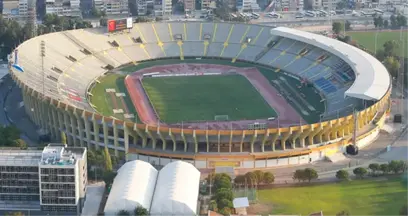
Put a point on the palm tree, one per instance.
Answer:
(123, 213)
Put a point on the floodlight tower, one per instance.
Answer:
(401, 78)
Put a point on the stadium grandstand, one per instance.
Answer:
(171, 191)
(329, 89)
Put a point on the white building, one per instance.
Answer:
(112, 7)
(162, 7)
(291, 5)
(247, 5)
(70, 8)
(10, 8)
(171, 191)
(57, 179)
(63, 178)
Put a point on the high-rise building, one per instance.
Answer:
(70, 8)
(52, 180)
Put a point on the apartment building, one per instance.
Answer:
(205, 4)
(10, 8)
(113, 7)
(52, 180)
(290, 5)
(329, 4)
(69, 8)
(247, 5)
(189, 5)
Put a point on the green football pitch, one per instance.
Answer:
(201, 98)
(359, 197)
(105, 104)
(368, 39)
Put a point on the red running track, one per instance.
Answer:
(140, 100)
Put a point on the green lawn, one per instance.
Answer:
(201, 98)
(311, 94)
(360, 197)
(105, 106)
(102, 100)
(367, 39)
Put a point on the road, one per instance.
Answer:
(12, 111)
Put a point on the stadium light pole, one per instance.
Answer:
(401, 73)
(375, 40)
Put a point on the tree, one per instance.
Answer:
(401, 21)
(299, 175)
(268, 178)
(222, 183)
(378, 21)
(225, 211)
(404, 210)
(390, 48)
(310, 174)
(392, 65)
(343, 213)
(385, 24)
(108, 177)
(393, 21)
(140, 211)
(374, 167)
(259, 176)
(384, 168)
(347, 25)
(63, 138)
(213, 205)
(224, 203)
(360, 172)
(239, 179)
(342, 175)
(20, 144)
(108, 161)
(123, 213)
(337, 27)
(380, 55)
(10, 136)
(223, 193)
(250, 178)
(15, 214)
(395, 166)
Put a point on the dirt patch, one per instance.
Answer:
(260, 209)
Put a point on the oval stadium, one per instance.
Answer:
(212, 94)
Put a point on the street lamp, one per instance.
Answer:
(375, 41)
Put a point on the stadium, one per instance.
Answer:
(211, 94)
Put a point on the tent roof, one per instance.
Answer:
(133, 186)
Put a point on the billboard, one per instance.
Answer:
(120, 24)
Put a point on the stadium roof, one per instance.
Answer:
(177, 190)
(133, 186)
(372, 78)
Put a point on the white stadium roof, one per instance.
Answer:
(177, 190)
(133, 186)
(372, 78)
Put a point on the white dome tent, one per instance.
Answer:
(177, 190)
(133, 186)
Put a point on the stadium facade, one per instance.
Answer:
(74, 60)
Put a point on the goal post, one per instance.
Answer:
(221, 118)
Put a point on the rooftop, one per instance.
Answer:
(11, 157)
(58, 154)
